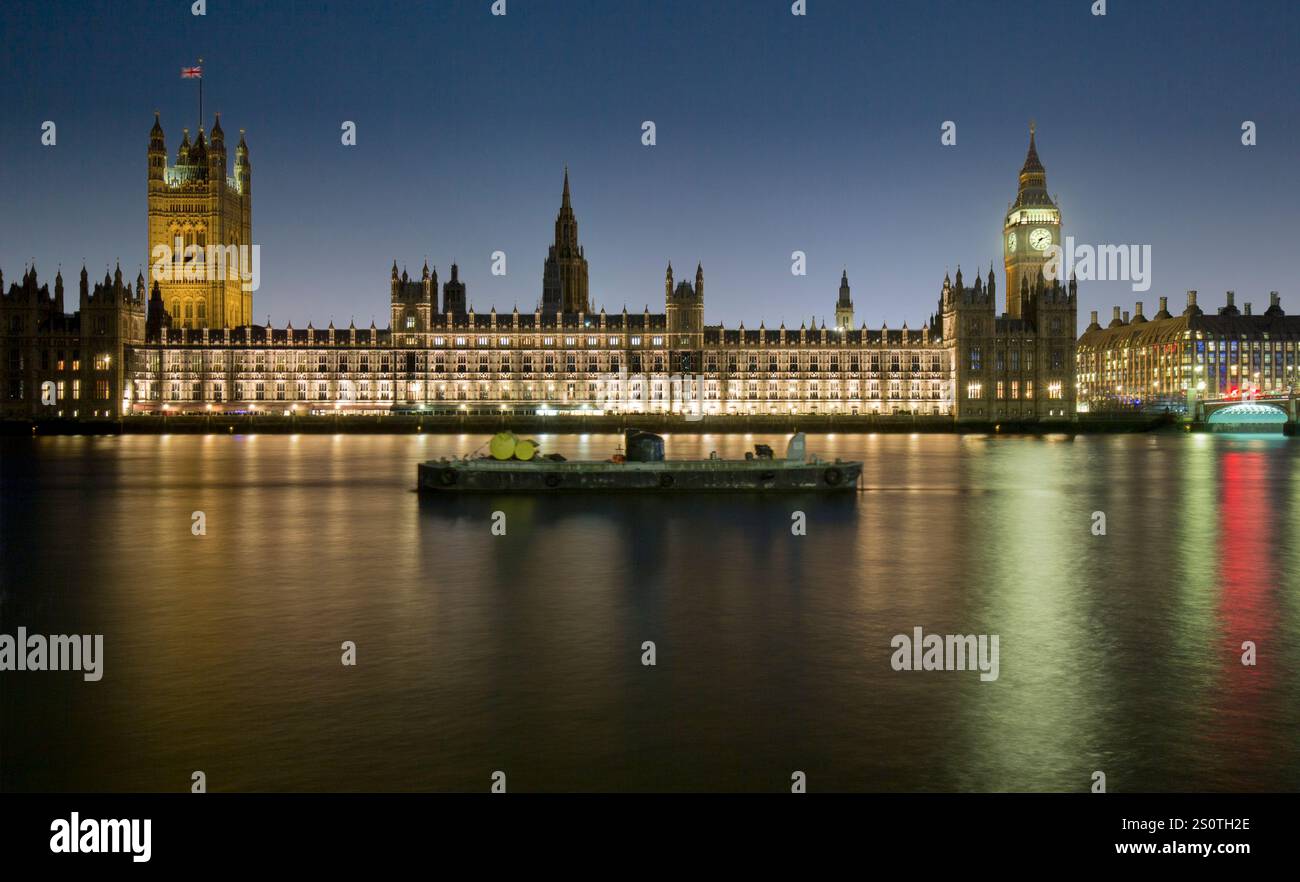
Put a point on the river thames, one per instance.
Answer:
(1119, 653)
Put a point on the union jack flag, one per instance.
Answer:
(192, 73)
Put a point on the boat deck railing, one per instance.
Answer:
(663, 465)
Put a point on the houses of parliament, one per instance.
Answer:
(180, 345)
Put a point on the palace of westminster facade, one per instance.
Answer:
(186, 346)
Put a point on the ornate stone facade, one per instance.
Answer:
(965, 362)
(204, 221)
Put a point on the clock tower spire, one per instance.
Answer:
(1033, 223)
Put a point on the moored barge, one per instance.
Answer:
(641, 467)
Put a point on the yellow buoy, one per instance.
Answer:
(525, 450)
(502, 445)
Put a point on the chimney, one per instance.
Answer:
(1274, 299)
(1126, 316)
(1232, 295)
(1137, 310)
(1247, 309)
(1191, 298)
(1164, 304)
(1094, 316)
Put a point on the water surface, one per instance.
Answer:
(523, 652)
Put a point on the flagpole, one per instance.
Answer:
(200, 93)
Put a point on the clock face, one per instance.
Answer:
(1011, 242)
(1040, 238)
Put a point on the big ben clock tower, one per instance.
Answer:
(1033, 223)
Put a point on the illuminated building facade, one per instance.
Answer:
(1032, 225)
(1235, 353)
(439, 355)
(200, 215)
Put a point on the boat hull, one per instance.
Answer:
(762, 476)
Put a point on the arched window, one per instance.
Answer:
(203, 310)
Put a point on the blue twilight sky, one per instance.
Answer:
(775, 133)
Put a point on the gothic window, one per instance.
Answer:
(976, 359)
(410, 322)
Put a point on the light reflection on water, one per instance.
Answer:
(1118, 653)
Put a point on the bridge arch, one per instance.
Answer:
(1257, 416)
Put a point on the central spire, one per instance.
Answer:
(564, 279)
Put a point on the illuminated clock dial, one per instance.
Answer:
(1040, 238)
(1011, 242)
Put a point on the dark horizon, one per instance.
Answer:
(775, 133)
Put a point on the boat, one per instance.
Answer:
(514, 465)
